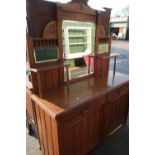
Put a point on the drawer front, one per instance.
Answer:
(117, 93)
(85, 109)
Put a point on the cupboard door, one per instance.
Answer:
(115, 113)
(82, 135)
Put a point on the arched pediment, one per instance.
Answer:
(80, 5)
(81, 1)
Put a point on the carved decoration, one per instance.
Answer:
(80, 8)
(81, 1)
(50, 30)
(78, 17)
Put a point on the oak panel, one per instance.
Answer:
(82, 134)
(44, 132)
(49, 134)
(39, 125)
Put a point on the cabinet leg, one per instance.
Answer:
(29, 129)
(39, 147)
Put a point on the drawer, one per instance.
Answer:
(83, 110)
(117, 93)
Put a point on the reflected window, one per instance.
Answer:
(78, 43)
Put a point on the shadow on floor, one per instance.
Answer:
(116, 144)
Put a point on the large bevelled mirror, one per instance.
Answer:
(78, 43)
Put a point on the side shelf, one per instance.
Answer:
(44, 79)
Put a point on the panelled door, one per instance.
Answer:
(116, 110)
(78, 137)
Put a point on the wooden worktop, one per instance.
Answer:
(62, 100)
